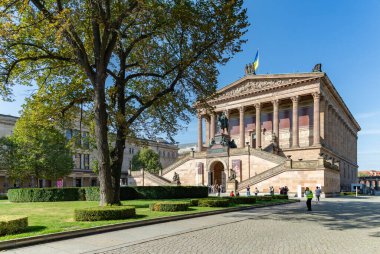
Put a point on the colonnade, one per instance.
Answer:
(211, 123)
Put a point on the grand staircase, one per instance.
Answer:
(262, 176)
(157, 179)
(176, 164)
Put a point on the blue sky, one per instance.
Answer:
(293, 36)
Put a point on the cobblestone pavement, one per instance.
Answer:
(334, 226)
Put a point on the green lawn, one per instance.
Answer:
(52, 217)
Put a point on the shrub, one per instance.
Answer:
(243, 200)
(222, 202)
(12, 224)
(169, 206)
(264, 198)
(194, 202)
(280, 197)
(104, 213)
(3, 196)
(165, 192)
(45, 194)
(92, 193)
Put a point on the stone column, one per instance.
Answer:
(276, 121)
(258, 125)
(317, 124)
(326, 123)
(212, 130)
(241, 127)
(227, 114)
(200, 143)
(207, 119)
(295, 129)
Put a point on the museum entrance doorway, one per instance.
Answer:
(217, 175)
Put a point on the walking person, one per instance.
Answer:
(256, 191)
(219, 190)
(309, 196)
(318, 193)
(248, 191)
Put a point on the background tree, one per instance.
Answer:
(147, 159)
(139, 65)
(35, 150)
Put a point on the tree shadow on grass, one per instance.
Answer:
(139, 216)
(31, 229)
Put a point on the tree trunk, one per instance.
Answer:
(118, 153)
(101, 133)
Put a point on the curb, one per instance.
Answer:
(28, 241)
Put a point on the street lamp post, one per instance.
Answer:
(249, 159)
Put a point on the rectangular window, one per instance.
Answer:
(78, 182)
(85, 140)
(86, 161)
(69, 134)
(78, 161)
(77, 137)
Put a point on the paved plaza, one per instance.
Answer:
(336, 225)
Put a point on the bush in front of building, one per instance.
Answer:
(169, 206)
(92, 193)
(220, 202)
(264, 198)
(104, 213)
(12, 224)
(3, 197)
(46, 194)
(280, 197)
(194, 202)
(166, 192)
(242, 200)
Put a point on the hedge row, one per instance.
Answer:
(243, 200)
(169, 206)
(12, 224)
(222, 202)
(92, 193)
(104, 213)
(3, 197)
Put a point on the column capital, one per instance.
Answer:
(275, 102)
(295, 99)
(257, 105)
(199, 116)
(241, 109)
(316, 95)
(227, 112)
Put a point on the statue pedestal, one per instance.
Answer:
(232, 186)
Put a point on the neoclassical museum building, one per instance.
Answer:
(283, 130)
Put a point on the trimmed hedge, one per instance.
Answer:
(104, 213)
(194, 202)
(169, 206)
(92, 193)
(46, 194)
(264, 198)
(221, 202)
(3, 197)
(280, 197)
(243, 200)
(12, 224)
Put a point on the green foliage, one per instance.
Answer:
(157, 58)
(264, 198)
(92, 193)
(147, 159)
(35, 150)
(46, 194)
(194, 202)
(104, 213)
(3, 197)
(169, 206)
(242, 200)
(12, 224)
(280, 197)
(214, 202)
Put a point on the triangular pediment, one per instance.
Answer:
(260, 83)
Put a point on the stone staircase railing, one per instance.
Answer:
(176, 164)
(262, 176)
(157, 179)
(259, 153)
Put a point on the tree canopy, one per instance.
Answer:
(148, 160)
(35, 150)
(137, 65)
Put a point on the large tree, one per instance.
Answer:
(139, 65)
(35, 150)
(148, 160)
